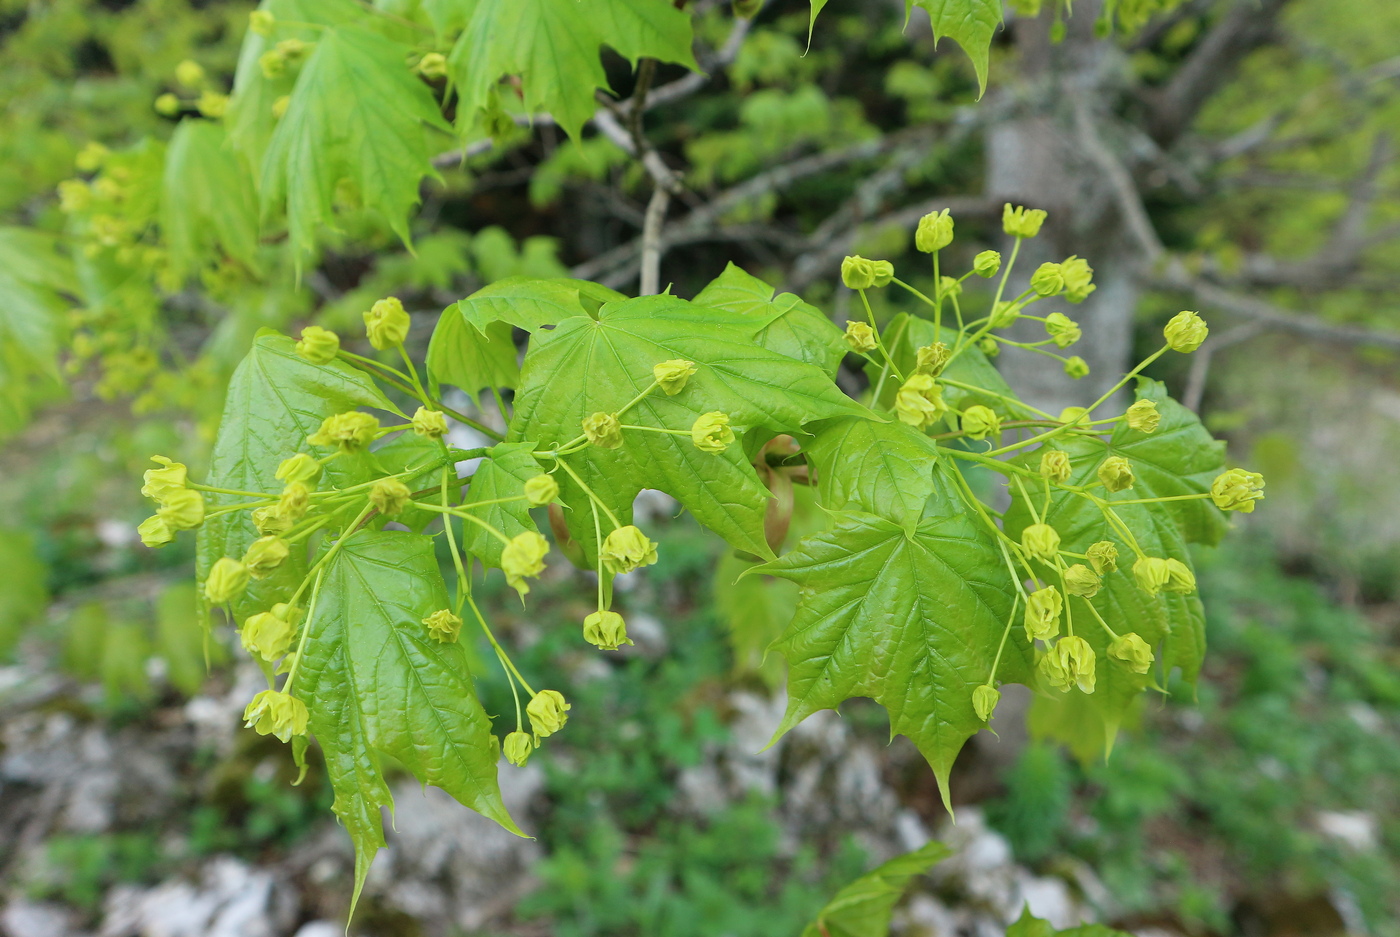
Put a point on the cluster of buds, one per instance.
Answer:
(286, 54)
(190, 76)
(860, 273)
(548, 712)
(180, 507)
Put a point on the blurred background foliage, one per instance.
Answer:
(1269, 804)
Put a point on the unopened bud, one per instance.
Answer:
(212, 104)
(989, 347)
(1143, 416)
(935, 232)
(1020, 222)
(711, 432)
(518, 747)
(979, 422)
(626, 549)
(351, 431)
(161, 482)
(273, 64)
(1062, 329)
(1041, 541)
(433, 66)
(1151, 573)
(1103, 556)
(1074, 415)
(1116, 473)
(523, 557)
(299, 468)
(389, 496)
(1185, 332)
(1237, 490)
(318, 345)
(1180, 579)
(1043, 608)
(261, 22)
(984, 701)
(548, 712)
(1133, 651)
(226, 581)
(269, 520)
(605, 630)
(167, 105)
(264, 555)
(1082, 581)
(1076, 367)
(387, 323)
(189, 73)
(986, 264)
(295, 499)
(443, 626)
(919, 402)
(1070, 662)
(1048, 280)
(861, 337)
(294, 49)
(860, 273)
(275, 713)
(182, 509)
(91, 157)
(673, 375)
(1054, 465)
(429, 423)
(603, 430)
(541, 490)
(267, 635)
(932, 359)
(1079, 279)
(155, 532)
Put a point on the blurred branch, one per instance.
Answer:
(1201, 359)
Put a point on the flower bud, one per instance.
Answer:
(711, 432)
(386, 323)
(273, 64)
(299, 468)
(1043, 608)
(1185, 332)
(189, 74)
(91, 157)
(164, 481)
(1180, 579)
(859, 273)
(548, 712)
(861, 337)
(269, 520)
(1143, 416)
(1062, 329)
(986, 264)
(1020, 222)
(1133, 651)
(1074, 415)
(212, 104)
(626, 549)
(155, 532)
(74, 195)
(275, 713)
(182, 510)
(989, 347)
(443, 626)
(1082, 581)
(264, 555)
(429, 423)
(1041, 541)
(603, 430)
(1116, 473)
(267, 635)
(1076, 367)
(433, 66)
(318, 345)
(1071, 661)
(167, 105)
(1103, 556)
(1047, 279)
(261, 22)
(932, 359)
(935, 232)
(226, 581)
(1079, 278)
(984, 701)
(294, 49)
(541, 490)
(1237, 490)
(522, 557)
(673, 375)
(351, 431)
(919, 402)
(1054, 465)
(295, 499)
(979, 422)
(518, 747)
(1151, 573)
(605, 630)
(389, 496)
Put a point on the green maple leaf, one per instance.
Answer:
(969, 23)
(208, 203)
(1028, 925)
(864, 907)
(34, 278)
(905, 334)
(553, 45)
(471, 358)
(880, 468)
(796, 329)
(908, 616)
(501, 475)
(358, 115)
(375, 683)
(587, 365)
(275, 400)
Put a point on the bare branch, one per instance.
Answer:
(651, 242)
(1125, 191)
(1201, 359)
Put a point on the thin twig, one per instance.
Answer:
(651, 242)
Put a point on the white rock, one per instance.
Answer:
(23, 918)
(1353, 828)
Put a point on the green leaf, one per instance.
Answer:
(1028, 925)
(527, 303)
(908, 617)
(208, 203)
(375, 684)
(275, 400)
(24, 590)
(357, 115)
(33, 280)
(553, 45)
(588, 365)
(796, 329)
(470, 358)
(969, 23)
(863, 908)
(880, 468)
(501, 475)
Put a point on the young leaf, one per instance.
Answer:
(470, 358)
(553, 46)
(275, 400)
(969, 23)
(374, 681)
(502, 475)
(908, 617)
(208, 203)
(527, 303)
(880, 468)
(795, 328)
(357, 115)
(863, 908)
(605, 362)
